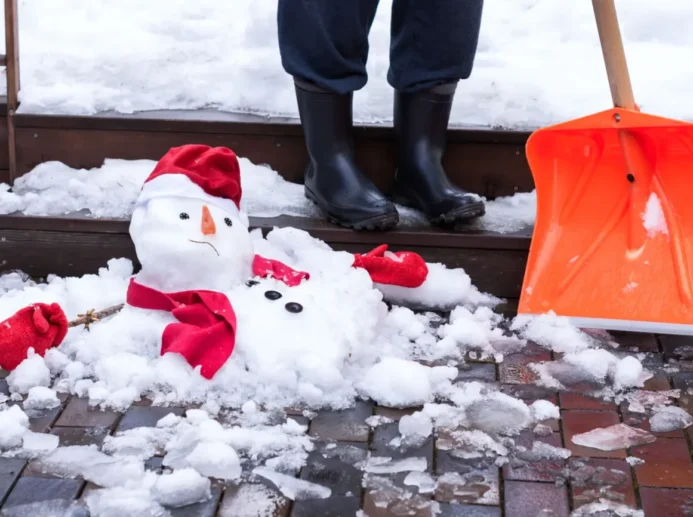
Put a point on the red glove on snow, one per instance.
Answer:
(403, 268)
(264, 267)
(39, 326)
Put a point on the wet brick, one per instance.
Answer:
(578, 422)
(677, 347)
(155, 464)
(335, 467)
(347, 426)
(529, 499)
(145, 416)
(658, 382)
(666, 502)
(32, 489)
(485, 372)
(575, 400)
(334, 506)
(252, 500)
(667, 464)
(515, 368)
(530, 392)
(635, 340)
(394, 413)
(205, 509)
(9, 472)
(475, 486)
(78, 413)
(41, 421)
(384, 434)
(523, 469)
(595, 478)
(69, 436)
(468, 510)
(384, 499)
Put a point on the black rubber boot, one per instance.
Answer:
(333, 181)
(421, 123)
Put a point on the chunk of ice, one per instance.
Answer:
(670, 419)
(619, 436)
(181, 488)
(41, 397)
(423, 481)
(415, 428)
(293, 488)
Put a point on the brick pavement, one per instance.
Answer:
(472, 487)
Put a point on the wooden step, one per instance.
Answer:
(489, 162)
(78, 244)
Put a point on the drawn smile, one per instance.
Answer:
(205, 242)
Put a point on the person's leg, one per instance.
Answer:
(324, 46)
(433, 47)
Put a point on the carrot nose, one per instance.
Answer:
(207, 226)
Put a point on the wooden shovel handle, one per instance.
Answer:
(614, 54)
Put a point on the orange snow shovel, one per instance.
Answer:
(612, 243)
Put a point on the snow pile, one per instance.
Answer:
(14, 424)
(109, 191)
(16, 440)
(343, 342)
(86, 57)
(41, 397)
(653, 217)
(583, 357)
(196, 448)
(31, 373)
(607, 508)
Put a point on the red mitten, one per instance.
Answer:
(39, 326)
(403, 268)
(264, 267)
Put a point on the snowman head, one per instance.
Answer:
(187, 227)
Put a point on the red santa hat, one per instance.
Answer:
(195, 171)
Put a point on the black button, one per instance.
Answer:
(273, 295)
(294, 307)
(251, 283)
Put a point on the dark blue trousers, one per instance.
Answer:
(325, 42)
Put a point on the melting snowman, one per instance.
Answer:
(205, 300)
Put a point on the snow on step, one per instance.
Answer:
(109, 191)
(619, 436)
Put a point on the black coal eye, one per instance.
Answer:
(272, 295)
(184, 216)
(228, 222)
(251, 283)
(293, 307)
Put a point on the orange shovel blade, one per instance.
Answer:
(614, 226)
